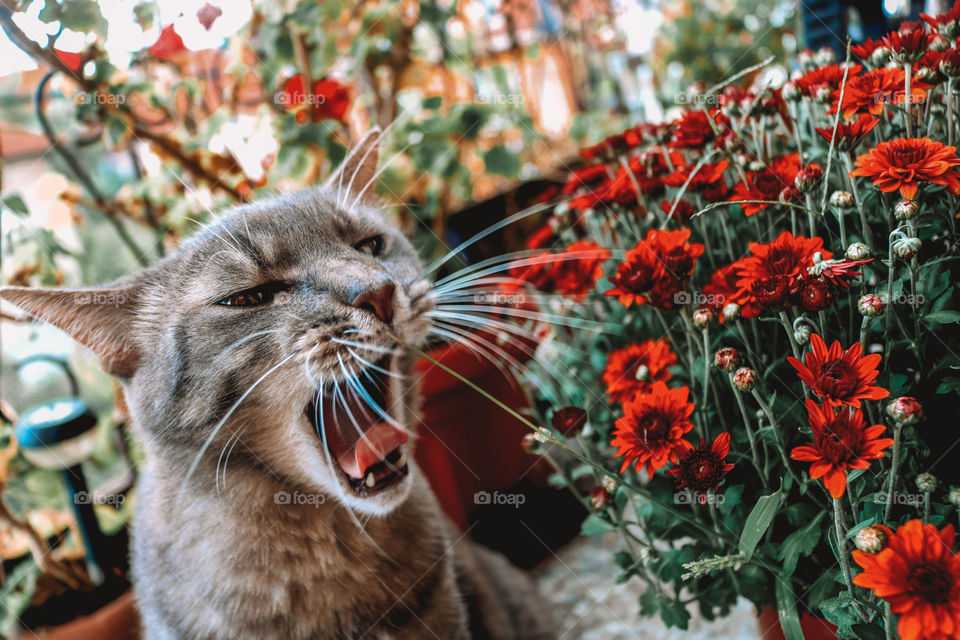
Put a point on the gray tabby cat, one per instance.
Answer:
(268, 342)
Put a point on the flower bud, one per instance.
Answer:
(642, 373)
(906, 248)
(791, 92)
(745, 379)
(880, 57)
(925, 74)
(609, 484)
(857, 251)
(842, 201)
(906, 209)
(808, 178)
(599, 498)
(790, 194)
(927, 482)
(870, 539)
(870, 305)
(569, 421)
(950, 63)
(756, 165)
(805, 59)
(727, 359)
(953, 496)
(731, 311)
(648, 556)
(703, 316)
(823, 94)
(905, 410)
(802, 334)
(530, 444)
(939, 43)
(824, 56)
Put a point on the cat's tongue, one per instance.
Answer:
(370, 449)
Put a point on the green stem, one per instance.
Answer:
(781, 445)
(749, 430)
(907, 98)
(844, 560)
(892, 479)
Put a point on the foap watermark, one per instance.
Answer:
(498, 297)
(911, 299)
(698, 299)
(688, 497)
(899, 498)
(112, 499)
(297, 498)
(100, 98)
(698, 99)
(499, 498)
(109, 298)
(500, 99)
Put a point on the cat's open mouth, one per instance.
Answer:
(363, 441)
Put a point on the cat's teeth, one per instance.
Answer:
(401, 461)
(370, 481)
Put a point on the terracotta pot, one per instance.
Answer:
(119, 620)
(768, 624)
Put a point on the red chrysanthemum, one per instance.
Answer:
(789, 256)
(651, 431)
(578, 268)
(830, 76)
(767, 183)
(693, 130)
(633, 370)
(700, 470)
(870, 91)
(652, 271)
(707, 180)
(919, 575)
(901, 164)
(585, 177)
(841, 441)
(850, 135)
(908, 45)
(840, 375)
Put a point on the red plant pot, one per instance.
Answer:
(768, 624)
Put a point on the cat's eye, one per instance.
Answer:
(372, 246)
(263, 294)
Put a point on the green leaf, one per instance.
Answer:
(501, 162)
(868, 632)
(787, 610)
(649, 602)
(758, 522)
(840, 612)
(674, 614)
(433, 102)
(595, 525)
(937, 318)
(801, 542)
(16, 204)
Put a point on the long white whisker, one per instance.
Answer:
(573, 322)
(370, 365)
(359, 345)
(373, 145)
(376, 176)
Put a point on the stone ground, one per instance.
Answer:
(580, 584)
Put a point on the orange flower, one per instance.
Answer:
(651, 430)
(873, 89)
(830, 76)
(919, 575)
(633, 370)
(850, 135)
(838, 375)
(900, 164)
(841, 441)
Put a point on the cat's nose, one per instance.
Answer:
(378, 301)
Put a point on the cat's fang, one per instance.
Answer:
(371, 481)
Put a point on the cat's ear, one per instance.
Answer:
(100, 319)
(354, 178)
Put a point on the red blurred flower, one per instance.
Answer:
(692, 130)
(577, 268)
(72, 59)
(901, 164)
(651, 431)
(700, 470)
(830, 76)
(169, 46)
(585, 176)
(633, 370)
(919, 575)
(683, 212)
(908, 46)
(945, 23)
(839, 375)
(208, 14)
(328, 99)
(865, 49)
(841, 441)
(569, 421)
(708, 179)
(870, 91)
(850, 135)
(767, 183)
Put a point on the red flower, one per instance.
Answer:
(870, 91)
(632, 371)
(328, 99)
(919, 575)
(767, 183)
(578, 267)
(900, 164)
(651, 431)
(788, 256)
(812, 293)
(849, 136)
(771, 292)
(72, 59)
(708, 179)
(830, 76)
(585, 176)
(908, 46)
(208, 14)
(569, 421)
(841, 441)
(700, 470)
(679, 257)
(692, 130)
(866, 48)
(839, 272)
(652, 271)
(841, 376)
(169, 46)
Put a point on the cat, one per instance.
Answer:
(252, 360)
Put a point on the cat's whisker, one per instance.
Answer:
(223, 420)
(451, 337)
(376, 176)
(526, 213)
(493, 348)
(245, 339)
(359, 345)
(572, 322)
(370, 365)
(356, 170)
(234, 438)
